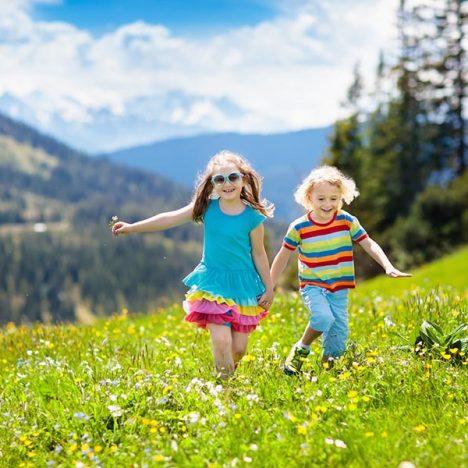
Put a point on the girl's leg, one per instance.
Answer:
(221, 340)
(239, 345)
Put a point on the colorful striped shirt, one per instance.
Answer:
(325, 250)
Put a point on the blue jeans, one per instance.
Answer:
(329, 315)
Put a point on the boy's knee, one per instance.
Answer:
(321, 321)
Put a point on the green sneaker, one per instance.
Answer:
(295, 359)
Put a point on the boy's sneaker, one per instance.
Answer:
(295, 359)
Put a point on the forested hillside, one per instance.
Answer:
(68, 267)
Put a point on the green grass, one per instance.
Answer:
(139, 390)
(447, 271)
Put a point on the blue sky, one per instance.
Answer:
(106, 75)
(181, 16)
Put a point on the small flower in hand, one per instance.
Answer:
(112, 221)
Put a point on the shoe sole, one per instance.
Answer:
(289, 371)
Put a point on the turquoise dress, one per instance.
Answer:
(226, 283)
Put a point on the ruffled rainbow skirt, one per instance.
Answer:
(224, 298)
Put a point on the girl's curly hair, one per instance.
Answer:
(329, 174)
(250, 193)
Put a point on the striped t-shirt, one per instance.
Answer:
(325, 250)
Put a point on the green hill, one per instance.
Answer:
(58, 261)
(139, 390)
(447, 271)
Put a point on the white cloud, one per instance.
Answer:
(287, 73)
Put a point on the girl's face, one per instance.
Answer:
(325, 199)
(227, 182)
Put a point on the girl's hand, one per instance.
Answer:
(121, 227)
(266, 299)
(394, 273)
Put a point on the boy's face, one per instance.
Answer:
(325, 199)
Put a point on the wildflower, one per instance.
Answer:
(339, 443)
(329, 441)
(115, 410)
(420, 428)
(81, 416)
(302, 430)
(248, 358)
(388, 321)
(406, 464)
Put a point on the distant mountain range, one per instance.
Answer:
(282, 159)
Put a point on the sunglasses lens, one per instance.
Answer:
(218, 180)
(234, 177)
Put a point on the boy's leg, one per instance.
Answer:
(309, 335)
(320, 321)
(221, 340)
(334, 340)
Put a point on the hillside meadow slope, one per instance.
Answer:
(139, 390)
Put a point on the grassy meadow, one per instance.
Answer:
(139, 390)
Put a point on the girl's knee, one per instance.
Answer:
(221, 341)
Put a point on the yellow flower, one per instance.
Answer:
(302, 430)
(158, 458)
(352, 394)
(369, 434)
(384, 434)
(73, 447)
(454, 350)
(248, 358)
(420, 428)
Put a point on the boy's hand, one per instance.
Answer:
(266, 299)
(394, 273)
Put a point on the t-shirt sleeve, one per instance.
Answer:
(256, 219)
(292, 238)
(357, 232)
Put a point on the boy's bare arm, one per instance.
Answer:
(279, 264)
(375, 251)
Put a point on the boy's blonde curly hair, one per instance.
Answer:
(329, 174)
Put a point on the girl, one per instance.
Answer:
(324, 238)
(231, 289)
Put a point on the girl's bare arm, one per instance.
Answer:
(260, 259)
(159, 222)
